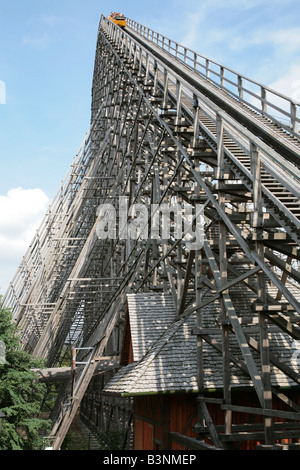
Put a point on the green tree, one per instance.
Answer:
(21, 393)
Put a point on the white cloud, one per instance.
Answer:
(193, 21)
(37, 42)
(50, 19)
(21, 212)
(289, 83)
(286, 39)
(237, 25)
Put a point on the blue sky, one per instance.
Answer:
(47, 51)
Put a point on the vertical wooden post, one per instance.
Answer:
(261, 292)
(240, 87)
(166, 90)
(196, 121)
(222, 79)
(294, 122)
(207, 68)
(263, 94)
(179, 97)
(223, 273)
(198, 285)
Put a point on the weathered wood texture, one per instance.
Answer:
(164, 133)
(156, 418)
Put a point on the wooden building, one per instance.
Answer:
(159, 371)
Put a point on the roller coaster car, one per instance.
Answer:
(118, 18)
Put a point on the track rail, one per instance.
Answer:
(234, 85)
(279, 137)
(280, 178)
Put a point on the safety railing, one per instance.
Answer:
(289, 176)
(127, 43)
(280, 109)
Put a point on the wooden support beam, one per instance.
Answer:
(213, 435)
(191, 442)
(289, 415)
(139, 95)
(186, 281)
(255, 376)
(58, 374)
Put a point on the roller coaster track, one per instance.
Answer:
(284, 139)
(168, 124)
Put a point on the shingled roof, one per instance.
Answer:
(164, 348)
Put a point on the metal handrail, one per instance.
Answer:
(226, 79)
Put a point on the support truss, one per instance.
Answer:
(161, 132)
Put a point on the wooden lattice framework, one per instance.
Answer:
(168, 124)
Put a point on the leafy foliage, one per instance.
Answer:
(20, 393)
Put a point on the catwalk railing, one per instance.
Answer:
(212, 117)
(265, 100)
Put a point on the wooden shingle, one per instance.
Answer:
(164, 348)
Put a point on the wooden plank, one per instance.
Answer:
(263, 412)
(259, 436)
(284, 324)
(210, 425)
(191, 442)
(254, 427)
(186, 281)
(215, 401)
(58, 374)
(263, 307)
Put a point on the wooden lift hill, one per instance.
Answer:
(162, 331)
